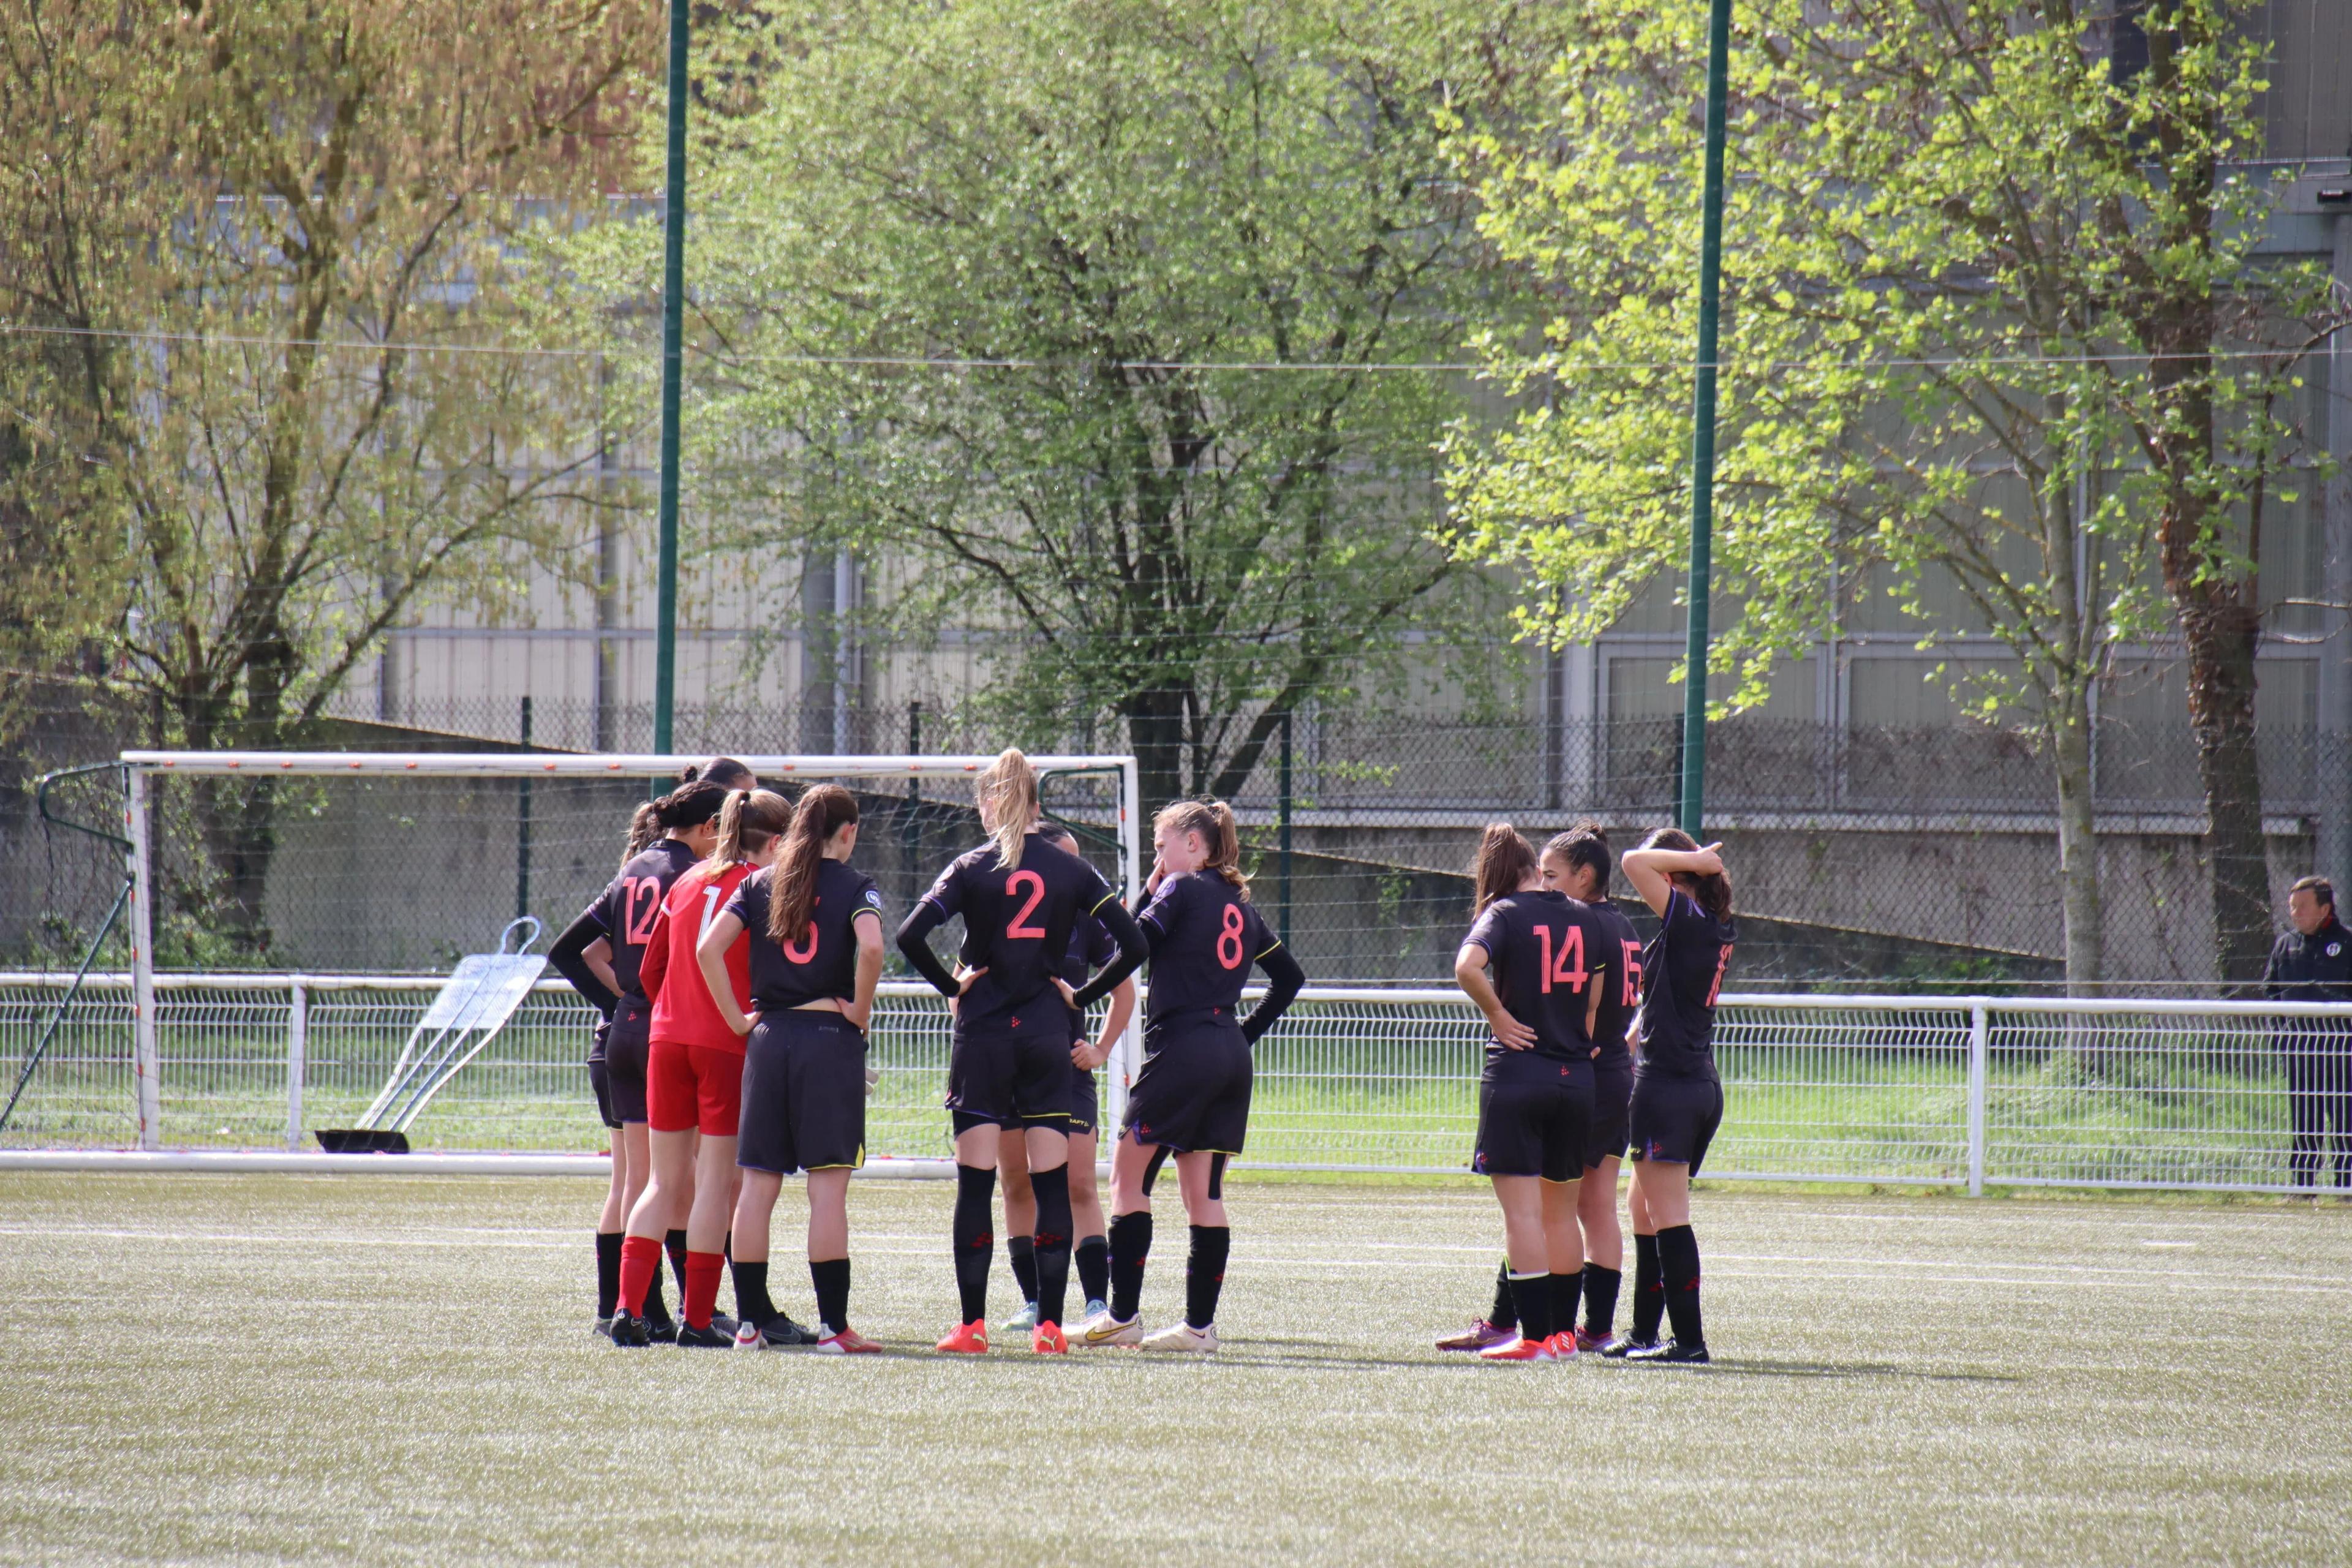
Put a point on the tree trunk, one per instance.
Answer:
(2221, 633)
(1155, 728)
(2078, 852)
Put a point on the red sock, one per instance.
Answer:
(641, 1257)
(702, 1272)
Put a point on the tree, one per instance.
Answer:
(254, 248)
(1098, 325)
(1943, 260)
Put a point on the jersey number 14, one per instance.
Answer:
(1572, 951)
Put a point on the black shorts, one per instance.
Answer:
(1014, 1071)
(599, 1080)
(1535, 1117)
(1086, 1102)
(1612, 1108)
(626, 1043)
(803, 1094)
(1194, 1093)
(1674, 1119)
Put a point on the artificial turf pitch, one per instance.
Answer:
(401, 1368)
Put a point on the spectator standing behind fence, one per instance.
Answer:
(2313, 962)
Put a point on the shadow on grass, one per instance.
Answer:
(1745, 1367)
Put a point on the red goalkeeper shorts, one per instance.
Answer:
(693, 1088)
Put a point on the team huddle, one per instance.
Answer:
(735, 957)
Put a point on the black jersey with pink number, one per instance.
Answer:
(822, 960)
(1623, 997)
(1682, 975)
(1545, 952)
(1205, 937)
(627, 908)
(1016, 922)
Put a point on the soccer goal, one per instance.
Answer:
(387, 862)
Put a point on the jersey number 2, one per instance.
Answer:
(1572, 951)
(1020, 926)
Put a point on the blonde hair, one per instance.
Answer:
(1213, 821)
(825, 811)
(1009, 789)
(747, 822)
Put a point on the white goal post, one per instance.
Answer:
(143, 769)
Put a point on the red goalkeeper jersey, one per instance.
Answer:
(684, 1013)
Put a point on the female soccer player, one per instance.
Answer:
(1677, 1096)
(1192, 1099)
(812, 928)
(725, 771)
(600, 953)
(1091, 946)
(1009, 1062)
(1577, 863)
(694, 1077)
(1527, 964)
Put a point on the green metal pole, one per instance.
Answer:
(673, 313)
(1710, 290)
(1284, 933)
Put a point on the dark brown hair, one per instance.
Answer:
(1213, 821)
(1583, 849)
(1505, 859)
(690, 805)
(2319, 886)
(825, 810)
(724, 772)
(1712, 893)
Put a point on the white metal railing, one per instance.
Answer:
(1963, 1091)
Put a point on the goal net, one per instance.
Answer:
(389, 863)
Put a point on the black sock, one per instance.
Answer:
(608, 1271)
(752, 1303)
(1649, 1290)
(1532, 1295)
(1565, 1289)
(1601, 1298)
(1205, 1273)
(975, 1246)
(1505, 1313)
(1094, 1268)
(1021, 1251)
(831, 1278)
(1053, 1255)
(1678, 1263)
(656, 1309)
(675, 1245)
(1131, 1244)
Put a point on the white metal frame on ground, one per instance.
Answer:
(139, 767)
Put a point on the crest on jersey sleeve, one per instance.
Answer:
(874, 897)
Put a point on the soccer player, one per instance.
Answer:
(1576, 863)
(1527, 965)
(601, 953)
(2313, 962)
(811, 926)
(1009, 1062)
(1091, 947)
(725, 771)
(1193, 1098)
(694, 1079)
(1677, 1095)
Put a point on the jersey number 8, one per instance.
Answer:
(1229, 940)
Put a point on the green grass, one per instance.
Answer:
(399, 1369)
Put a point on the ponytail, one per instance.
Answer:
(1213, 821)
(644, 828)
(1505, 859)
(1009, 789)
(1712, 892)
(825, 811)
(1584, 848)
(748, 823)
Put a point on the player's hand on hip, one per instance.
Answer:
(1085, 1057)
(1069, 993)
(1510, 1034)
(963, 982)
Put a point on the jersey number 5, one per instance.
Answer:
(1020, 926)
(1572, 951)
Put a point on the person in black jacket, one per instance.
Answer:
(2313, 962)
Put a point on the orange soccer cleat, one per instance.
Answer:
(968, 1339)
(1519, 1350)
(849, 1342)
(1048, 1340)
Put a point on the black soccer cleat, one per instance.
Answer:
(710, 1338)
(661, 1331)
(604, 1327)
(776, 1333)
(1625, 1346)
(627, 1330)
(1674, 1352)
(723, 1323)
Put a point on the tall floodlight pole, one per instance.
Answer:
(673, 316)
(1710, 292)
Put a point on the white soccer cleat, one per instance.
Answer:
(748, 1336)
(1102, 1328)
(1182, 1336)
